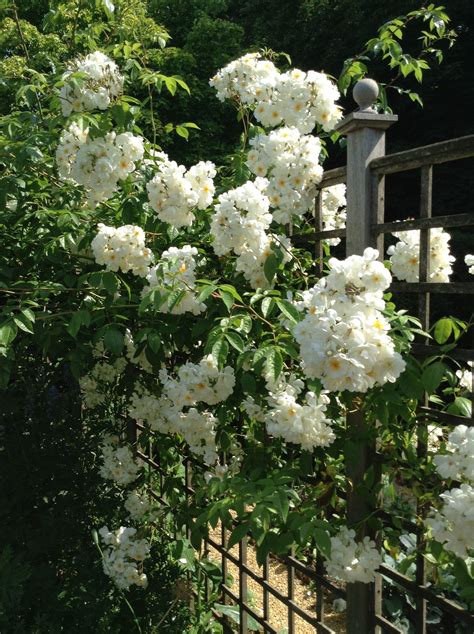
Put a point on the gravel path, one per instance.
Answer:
(303, 595)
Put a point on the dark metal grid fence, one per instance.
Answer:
(424, 159)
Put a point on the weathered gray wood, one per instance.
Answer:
(333, 177)
(424, 267)
(454, 220)
(365, 142)
(365, 132)
(377, 214)
(366, 119)
(318, 225)
(452, 150)
(388, 628)
(309, 238)
(458, 288)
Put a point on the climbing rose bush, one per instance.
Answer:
(191, 312)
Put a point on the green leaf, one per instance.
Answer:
(220, 350)
(235, 341)
(233, 612)
(274, 363)
(442, 330)
(465, 579)
(206, 292)
(81, 317)
(8, 332)
(227, 298)
(109, 282)
(432, 376)
(289, 310)
(280, 500)
(228, 288)
(238, 533)
(196, 537)
(154, 341)
(170, 84)
(29, 314)
(182, 132)
(323, 542)
(113, 340)
(23, 324)
(411, 385)
(241, 323)
(270, 267)
(185, 87)
(267, 305)
(461, 406)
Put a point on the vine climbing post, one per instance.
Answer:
(365, 131)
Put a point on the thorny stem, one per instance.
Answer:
(254, 312)
(297, 260)
(74, 25)
(167, 612)
(150, 97)
(25, 49)
(45, 288)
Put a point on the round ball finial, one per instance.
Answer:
(365, 93)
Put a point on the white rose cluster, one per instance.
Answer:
(302, 100)
(333, 210)
(198, 382)
(119, 463)
(251, 262)
(458, 464)
(246, 79)
(71, 140)
(96, 384)
(405, 256)
(469, 262)
(352, 561)
(97, 85)
(303, 424)
(344, 338)
(453, 524)
(174, 192)
(239, 225)
(290, 161)
(97, 164)
(175, 273)
(195, 383)
(123, 555)
(294, 98)
(122, 248)
(157, 411)
(198, 430)
(137, 505)
(241, 218)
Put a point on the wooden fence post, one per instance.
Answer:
(365, 131)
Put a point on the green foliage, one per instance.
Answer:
(50, 572)
(58, 305)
